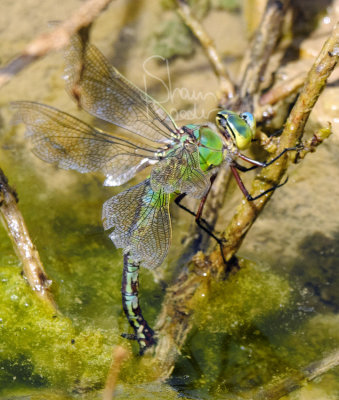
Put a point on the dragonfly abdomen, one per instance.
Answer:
(130, 302)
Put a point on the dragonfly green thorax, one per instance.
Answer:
(210, 145)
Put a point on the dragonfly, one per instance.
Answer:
(183, 160)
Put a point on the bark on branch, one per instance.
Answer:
(315, 82)
(55, 40)
(298, 380)
(15, 226)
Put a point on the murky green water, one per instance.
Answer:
(274, 317)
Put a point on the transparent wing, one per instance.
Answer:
(180, 171)
(59, 138)
(102, 91)
(141, 221)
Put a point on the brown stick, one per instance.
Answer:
(282, 90)
(15, 226)
(56, 39)
(298, 380)
(316, 80)
(225, 83)
(119, 355)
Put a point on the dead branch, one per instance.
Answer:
(299, 379)
(58, 38)
(315, 82)
(15, 226)
(225, 83)
(119, 355)
(282, 90)
(257, 57)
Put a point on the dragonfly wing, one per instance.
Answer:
(59, 138)
(141, 221)
(103, 92)
(180, 171)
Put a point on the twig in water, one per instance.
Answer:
(298, 380)
(119, 355)
(56, 39)
(225, 83)
(15, 226)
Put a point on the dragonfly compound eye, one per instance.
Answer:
(249, 119)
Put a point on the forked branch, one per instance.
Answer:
(174, 320)
(315, 82)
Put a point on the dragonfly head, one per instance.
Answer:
(238, 128)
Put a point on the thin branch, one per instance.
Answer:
(259, 52)
(56, 39)
(310, 145)
(282, 90)
(119, 355)
(298, 380)
(225, 83)
(15, 226)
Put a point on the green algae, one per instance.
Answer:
(40, 347)
(69, 351)
(173, 39)
(229, 5)
(246, 298)
(228, 340)
(320, 336)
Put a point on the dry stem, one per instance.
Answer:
(298, 380)
(316, 80)
(259, 52)
(15, 226)
(56, 39)
(119, 355)
(225, 83)
(282, 90)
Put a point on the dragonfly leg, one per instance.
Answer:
(178, 200)
(264, 164)
(198, 216)
(244, 169)
(143, 333)
(245, 191)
